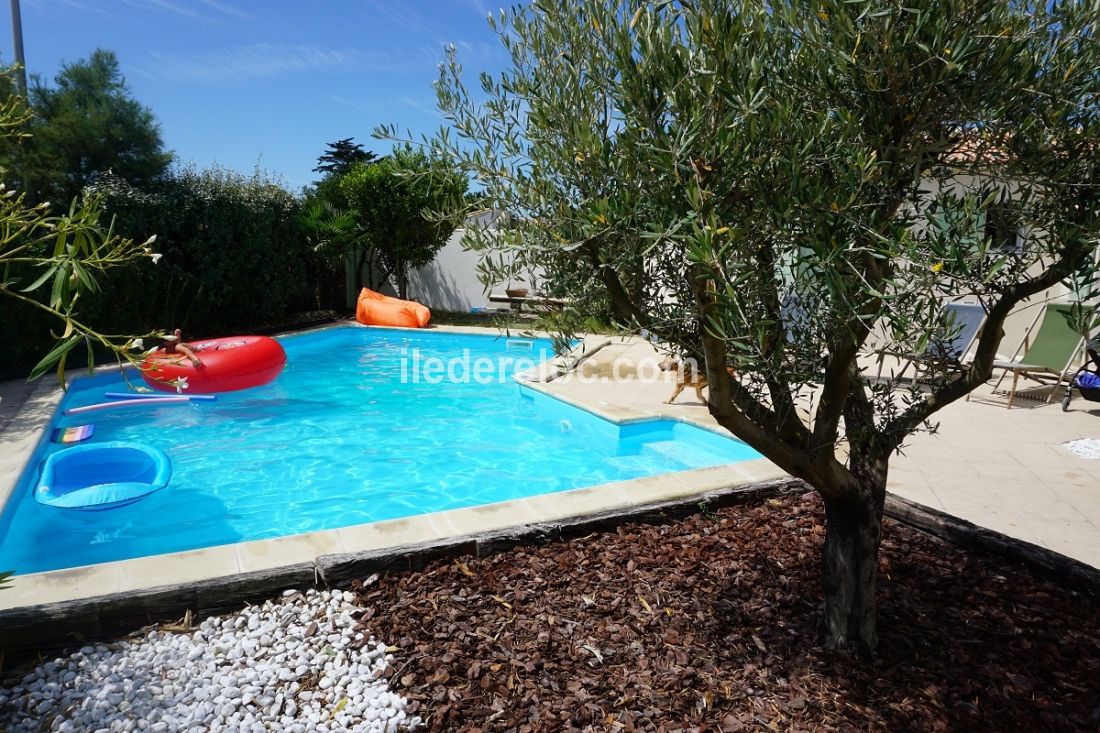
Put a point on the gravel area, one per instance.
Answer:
(296, 664)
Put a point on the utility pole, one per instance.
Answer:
(17, 43)
(20, 84)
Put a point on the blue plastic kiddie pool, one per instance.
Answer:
(97, 476)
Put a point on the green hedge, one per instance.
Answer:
(233, 257)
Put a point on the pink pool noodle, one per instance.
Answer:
(128, 403)
(146, 396)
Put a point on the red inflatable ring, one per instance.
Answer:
(236, 362)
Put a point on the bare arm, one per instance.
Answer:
(186, 351)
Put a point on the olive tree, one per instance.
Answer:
(790, 189)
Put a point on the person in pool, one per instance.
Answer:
(173, 344)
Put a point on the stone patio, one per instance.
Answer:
(998, 468)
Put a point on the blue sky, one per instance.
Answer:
(241, 82)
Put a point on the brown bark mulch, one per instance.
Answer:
(710, 624)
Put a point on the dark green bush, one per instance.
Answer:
(232, 254)
(232, 258)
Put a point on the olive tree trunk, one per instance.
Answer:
(853, 531)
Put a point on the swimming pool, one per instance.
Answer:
(360, 427)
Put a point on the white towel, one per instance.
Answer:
(1085, 447)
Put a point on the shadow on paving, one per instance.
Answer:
(710, 624)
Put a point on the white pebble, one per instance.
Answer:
(240, 672)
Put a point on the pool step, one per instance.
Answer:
(680, 452)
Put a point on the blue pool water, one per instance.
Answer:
(340, 439)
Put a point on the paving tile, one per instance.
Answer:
(472, 520)
(392, 533)
(1003, 469)
(283, 551)
(1002, 520)
(915, 486)
(920, 494)
(900, 474)
(557, 505)
(720, 477)
(179, 567)
(661, 488)
(1076, 543)
(61, 585)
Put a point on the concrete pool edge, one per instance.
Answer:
(136, 574)
(20, 439)
(628, 416)
(29, 628)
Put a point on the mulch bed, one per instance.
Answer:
(710, 624)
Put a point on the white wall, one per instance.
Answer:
(451, 283)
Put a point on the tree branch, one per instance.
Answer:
(837, 385)
(981, 369)
(859, 428)
(737, 411)
(621, 303)
(779, 388)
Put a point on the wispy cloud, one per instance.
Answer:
(385, 106)
(191, 8)
(227, 9)
(424, 106)
(481, 8)
(479, 52)
(405, 17)
(165, 5)
(47, 5)
(353, 104)
(247, 62)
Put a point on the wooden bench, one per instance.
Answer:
(536, 301)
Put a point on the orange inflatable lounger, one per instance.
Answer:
(375, 309)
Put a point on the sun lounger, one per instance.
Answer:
(960, 327)
(1048, 352)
